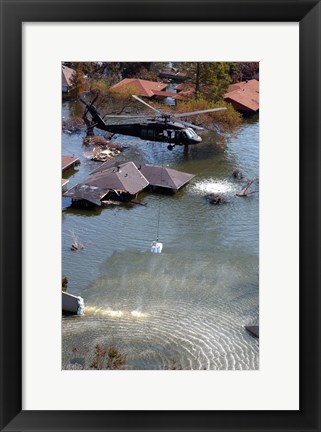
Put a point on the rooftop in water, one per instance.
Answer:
(126, 177)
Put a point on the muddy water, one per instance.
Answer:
(186, 307)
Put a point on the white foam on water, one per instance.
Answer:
(113, 313)
(92, 310)
(213, 186)
(138, 314)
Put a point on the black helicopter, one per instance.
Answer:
(162, 127)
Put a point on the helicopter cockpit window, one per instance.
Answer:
(190, 133)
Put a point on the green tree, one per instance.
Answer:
(210, 80)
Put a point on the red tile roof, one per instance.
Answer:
(244, 96)
(140, 86)
(166, 94)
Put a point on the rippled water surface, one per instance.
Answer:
(186, 307)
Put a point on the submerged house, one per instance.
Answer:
(163, 178)
(112, 180)
(123, 180)
(244, 96)
(67, 162)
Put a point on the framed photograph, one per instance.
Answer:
(169, 340)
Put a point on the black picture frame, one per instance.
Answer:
(13, 14)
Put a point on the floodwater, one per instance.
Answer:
(186, 307)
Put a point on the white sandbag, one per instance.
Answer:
(156, 247)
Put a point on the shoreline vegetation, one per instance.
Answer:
(106, 357)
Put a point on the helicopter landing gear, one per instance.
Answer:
(170, 147)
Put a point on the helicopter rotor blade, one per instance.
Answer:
(126, 116)
(88, 105)
(94, 100)
(191, 125)
(198, 112)
(145, 103)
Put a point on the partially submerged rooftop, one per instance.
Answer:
(164, 177)
(69, 162)
(120, 178)
(126, 179)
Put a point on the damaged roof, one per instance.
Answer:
(120, 177)
(82, 191)
(128, 177)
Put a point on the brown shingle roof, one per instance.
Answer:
(124, 176)
(112, 175)
(86, 192)
(164, 177)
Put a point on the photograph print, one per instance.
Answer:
(160, 215)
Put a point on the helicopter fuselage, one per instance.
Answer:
(169, 132)
(154, 131)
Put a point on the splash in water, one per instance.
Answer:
(214, 186)
(92, 310)
(138, 314)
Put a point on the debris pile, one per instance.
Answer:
(237, 174)
(105, 155)
(64, 283)
(244, 192)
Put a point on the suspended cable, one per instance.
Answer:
(159, 199)
(157, 246)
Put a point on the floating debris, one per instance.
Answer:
(215, 199)
(64, 283)
(104, 155)
(237, 174)
(76, 244)
(244, 192)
